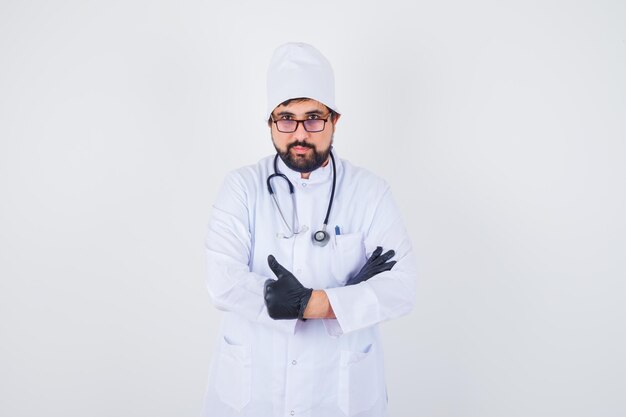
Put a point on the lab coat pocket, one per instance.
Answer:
(358, 380)
(348, 256)
(234, 374)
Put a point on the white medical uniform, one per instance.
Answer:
(315, 368)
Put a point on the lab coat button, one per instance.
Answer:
(294, 362)
(304, 185)
(292, 412)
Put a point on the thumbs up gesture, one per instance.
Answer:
(285, 297)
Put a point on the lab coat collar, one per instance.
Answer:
(320, 175)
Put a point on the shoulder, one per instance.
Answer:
(363, 179)
(243, 184)
(250, 176)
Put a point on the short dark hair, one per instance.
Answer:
(333, 114)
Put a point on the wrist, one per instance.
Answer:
(318, 306)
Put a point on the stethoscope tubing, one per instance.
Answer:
(292, 191)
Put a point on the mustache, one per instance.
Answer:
(302, 144)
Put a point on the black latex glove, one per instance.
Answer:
(286, 297)
(376, 264)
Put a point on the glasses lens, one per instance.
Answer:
(286, 126)
(314, 125)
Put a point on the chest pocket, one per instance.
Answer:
(347, 256)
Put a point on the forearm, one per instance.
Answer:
(319, 307)
(387, 296)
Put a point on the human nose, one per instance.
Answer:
(300, 132)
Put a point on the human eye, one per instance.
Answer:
(313, 116)
(286, 117)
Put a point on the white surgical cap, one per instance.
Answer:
(299, 70)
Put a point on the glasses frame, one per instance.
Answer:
(303, 125)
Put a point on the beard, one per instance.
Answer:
(304, 163)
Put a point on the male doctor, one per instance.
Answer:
(296, 262)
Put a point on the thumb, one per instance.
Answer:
(276, 268)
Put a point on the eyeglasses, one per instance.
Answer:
(291, 125)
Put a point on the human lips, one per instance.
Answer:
(301, 149)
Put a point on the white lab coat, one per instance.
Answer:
(314, 368)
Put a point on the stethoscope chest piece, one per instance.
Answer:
(320, 238)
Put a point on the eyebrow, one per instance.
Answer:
(288, 113)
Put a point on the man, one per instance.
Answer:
(295, 259)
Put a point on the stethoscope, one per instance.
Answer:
(319, 238)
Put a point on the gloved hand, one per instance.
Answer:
(376, 264)
(286, 297)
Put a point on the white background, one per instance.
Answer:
(501, 127)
